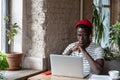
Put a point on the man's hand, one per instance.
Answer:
(81, 49)
(76, 48)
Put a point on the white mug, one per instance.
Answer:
(114, 74)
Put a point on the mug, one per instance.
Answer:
(114, 74)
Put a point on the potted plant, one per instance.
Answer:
(13, 58)
(115, 40)
(112, 52)
(3, 64)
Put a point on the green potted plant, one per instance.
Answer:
(112, 52)
(13, 58)
(3, 64)
(115, 40)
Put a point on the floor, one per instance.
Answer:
(20, 74)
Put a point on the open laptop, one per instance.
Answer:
(63, 65)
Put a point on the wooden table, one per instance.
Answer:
(50, 77)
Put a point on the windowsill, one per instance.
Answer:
(20, 74)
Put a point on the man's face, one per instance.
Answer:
(83, 37)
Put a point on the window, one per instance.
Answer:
(0, 20)
(3, 13)
(16, 15)
(105, 4)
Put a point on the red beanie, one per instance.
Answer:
(85, 22)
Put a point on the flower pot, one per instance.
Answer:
(14, 60)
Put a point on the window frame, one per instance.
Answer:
(3, 14)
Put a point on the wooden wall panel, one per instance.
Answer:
(87, 9)
(115, 11)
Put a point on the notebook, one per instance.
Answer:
(70, 66)
(99, 77)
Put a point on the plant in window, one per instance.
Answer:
(13, 58)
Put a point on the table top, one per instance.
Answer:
(47, 75)
(50, 77)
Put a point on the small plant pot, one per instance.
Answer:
(14, 60)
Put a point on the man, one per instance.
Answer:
(92, 54)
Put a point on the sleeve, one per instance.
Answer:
(67, 49)
(99, 52)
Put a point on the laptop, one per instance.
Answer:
(70, 66)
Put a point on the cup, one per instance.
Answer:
(114, 74)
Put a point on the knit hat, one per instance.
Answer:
(84, 22)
